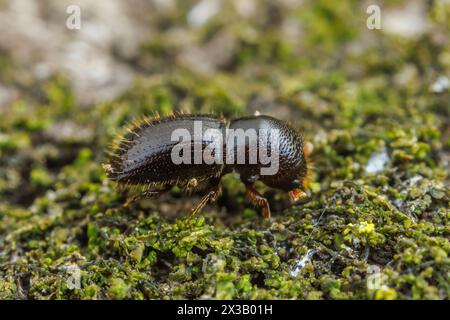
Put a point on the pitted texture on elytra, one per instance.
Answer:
(144, 156)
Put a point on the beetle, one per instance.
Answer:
(144, 156)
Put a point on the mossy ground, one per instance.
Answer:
(58, 213)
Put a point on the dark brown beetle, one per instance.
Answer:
(143, 157)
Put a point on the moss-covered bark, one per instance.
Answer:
(377, 226)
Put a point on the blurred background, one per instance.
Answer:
(375, 102)
(119, 41)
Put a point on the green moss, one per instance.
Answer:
(118, 288)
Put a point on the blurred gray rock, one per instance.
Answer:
(34, 33)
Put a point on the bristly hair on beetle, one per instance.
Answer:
(142, 158)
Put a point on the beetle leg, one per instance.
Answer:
(146, 195)
(257, 199)
(210, 197)
(308, 148)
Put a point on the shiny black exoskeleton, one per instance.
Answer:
(143, 157)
